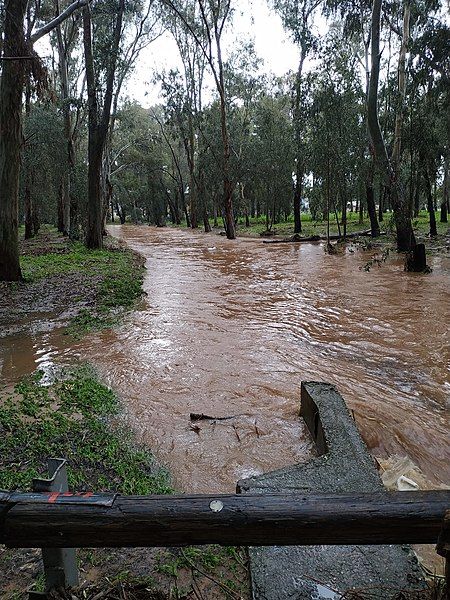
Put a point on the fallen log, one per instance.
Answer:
(318, 238)
(59, 520)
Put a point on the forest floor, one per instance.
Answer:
(64, 284)
(310, 227)
(74, 415)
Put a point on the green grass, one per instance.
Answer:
(117, 275)
(311, 227)
(77, 418)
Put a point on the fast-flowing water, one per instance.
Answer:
(231, 328)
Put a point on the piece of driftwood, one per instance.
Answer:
(203, 417)
(247, 520)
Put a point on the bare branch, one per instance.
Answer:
(58, 20)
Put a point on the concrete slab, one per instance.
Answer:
(343, 464)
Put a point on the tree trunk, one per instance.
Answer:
(94, 238)
(370, 194)
(193, 185)
(98, 125)
(206, 224)
(28, 214)
(298, 188)
(396, 151)
(230, 228)
(11, 88)
(202, 198)
(120, 213)
(445, 193)
(405, 234)
(36, 220)
(430, 205)
(444, 213)
(28, 170)
(374, 226)
(95, 149)
(70, 159)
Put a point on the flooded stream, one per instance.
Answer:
(231, 328)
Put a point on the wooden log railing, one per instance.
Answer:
(84, 520)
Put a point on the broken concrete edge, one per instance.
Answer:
(343, 456)
(343, 465)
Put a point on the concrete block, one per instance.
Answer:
(343, 464)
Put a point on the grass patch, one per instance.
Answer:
(78, 418)
(115, 274)
(73, 418)
(311, 227)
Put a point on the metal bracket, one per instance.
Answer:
(443, 549)
(60, 564)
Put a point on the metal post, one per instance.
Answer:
(60, 564)
(443, 549)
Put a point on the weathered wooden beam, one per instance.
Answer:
(249, 520)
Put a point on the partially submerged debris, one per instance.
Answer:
(203, 417)
(317, 238)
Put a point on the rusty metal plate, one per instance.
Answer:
(58, 498)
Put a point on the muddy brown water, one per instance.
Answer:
(231, 328)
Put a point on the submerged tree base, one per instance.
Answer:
(416, 261)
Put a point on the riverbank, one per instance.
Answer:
(284, 230)
(66, 285)
(312, 227)
(71, 413)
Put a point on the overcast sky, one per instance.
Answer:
(252, 20)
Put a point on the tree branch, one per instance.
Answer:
(58, 20)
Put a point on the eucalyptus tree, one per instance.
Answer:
(143, 175)
(66, 39)
(16, 52)
(406, 240)
(274, 155)
(141, 26)
(336, 134)
(206, 21)
(356, 33)
(430, 108)
(246, 86)
(182, 119)
(184, 98)
(177, 172)
(298, 17)
(44, 158)
(100, 75)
